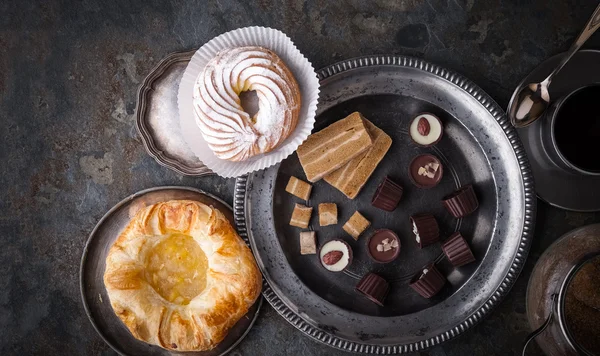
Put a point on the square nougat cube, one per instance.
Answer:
(299, 188)
(301, 216)
(327, 214)
(308, 243)
(356, 225)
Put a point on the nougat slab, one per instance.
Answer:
(308, 243)
(329, 149)
(352, 177)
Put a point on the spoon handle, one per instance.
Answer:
(591, 27)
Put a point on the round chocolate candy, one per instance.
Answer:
(425, 171)
(426, 129)
(462, 202)
(373, 287)
(335, 255)
(384, 246)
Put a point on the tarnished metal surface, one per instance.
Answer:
(479, 147)
(93, 293)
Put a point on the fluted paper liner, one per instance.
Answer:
(457, 250)
(302, 70)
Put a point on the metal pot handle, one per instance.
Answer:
(539, 330)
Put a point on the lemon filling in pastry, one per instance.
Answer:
(176, 268)
(180, 277)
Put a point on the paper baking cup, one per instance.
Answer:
(303, 71)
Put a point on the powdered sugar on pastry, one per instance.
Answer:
(229, 131)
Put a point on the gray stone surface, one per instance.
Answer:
(69, 71)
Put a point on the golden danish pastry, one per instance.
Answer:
(180, 277)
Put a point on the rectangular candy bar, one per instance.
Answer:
(308, 243)
(353, 175)
(329, 149)
(356, 225)
(301, 216)
(299, 188)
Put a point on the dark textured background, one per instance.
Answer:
(69, 150)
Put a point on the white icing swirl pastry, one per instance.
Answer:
(230, 131)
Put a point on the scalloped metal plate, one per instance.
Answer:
(523, 245)
(157, 117)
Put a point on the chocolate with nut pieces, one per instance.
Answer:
(425, 229)
(428, 282)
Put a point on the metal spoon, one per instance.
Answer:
(530, 101)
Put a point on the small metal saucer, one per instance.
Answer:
(554, 185)
(93, 293)
(157, 117)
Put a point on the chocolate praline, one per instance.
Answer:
(336, 245)
(462, 202)
(422, 181)
(377, 238)
(388, 195)
(425, 229)
(428, 281)
(457, 250)
(436, 129)
(373, 287)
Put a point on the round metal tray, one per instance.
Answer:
(479, 147)
(93, 293)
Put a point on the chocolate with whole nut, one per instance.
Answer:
(426, 129)
(335, 255)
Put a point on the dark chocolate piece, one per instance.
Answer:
(384, 246)
(373, 287)
(457, 250)
(462, 202)
(425, 229)
(425, 171)
(388, 195)
(428, 282)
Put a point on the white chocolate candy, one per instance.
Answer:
(435, 130)
(335, 245)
